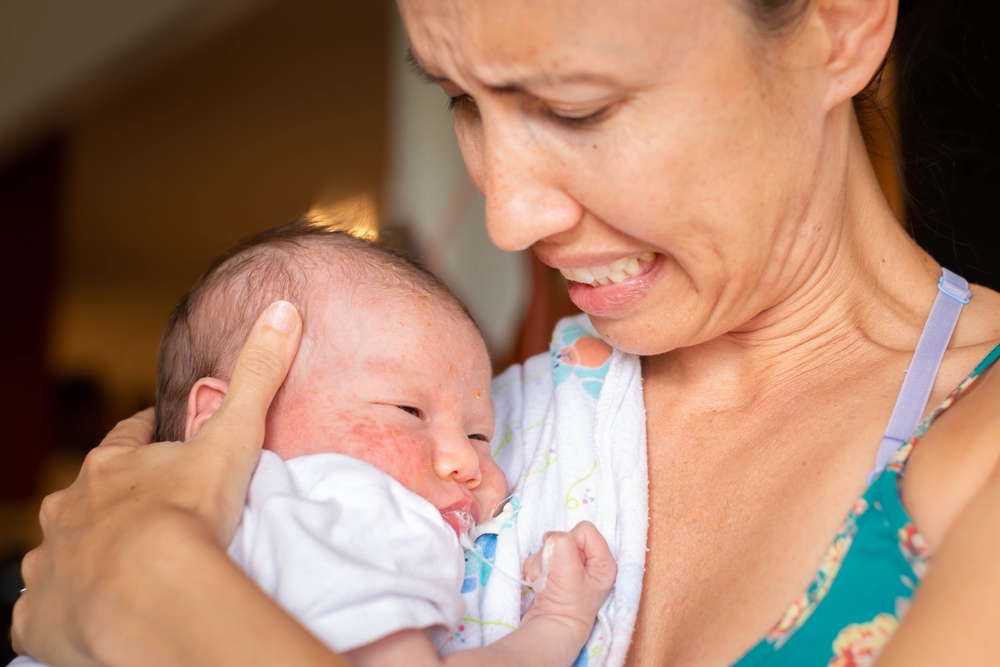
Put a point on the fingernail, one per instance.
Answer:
(281, 315)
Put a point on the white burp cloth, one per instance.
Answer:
(571, 437)
(346, 549)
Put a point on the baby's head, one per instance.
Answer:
(391, 369)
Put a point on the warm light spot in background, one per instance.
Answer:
(357, 215)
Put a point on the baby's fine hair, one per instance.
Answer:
(212, 322)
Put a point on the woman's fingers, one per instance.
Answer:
(260, 369)
(135, 431)
(134, 498)
(230, 441)
(236, 430)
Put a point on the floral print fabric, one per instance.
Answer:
(867, 578)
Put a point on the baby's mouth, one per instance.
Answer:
(461, 522)
(611, 274)
(461, 516)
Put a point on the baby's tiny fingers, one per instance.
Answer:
(590, 541)
(596, 554)
(533, 567)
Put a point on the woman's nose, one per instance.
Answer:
(455, 458)
(520, 176)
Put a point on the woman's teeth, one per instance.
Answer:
(612, 273)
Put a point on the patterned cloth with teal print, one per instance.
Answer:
(571, 437)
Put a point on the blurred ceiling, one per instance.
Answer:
(59, 57)
(239, 134)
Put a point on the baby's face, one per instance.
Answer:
(402, 384)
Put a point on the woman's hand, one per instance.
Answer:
(137, 509)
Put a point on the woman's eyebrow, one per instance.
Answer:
(543, 79)
(420, 70)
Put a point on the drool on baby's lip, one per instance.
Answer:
(461, 516)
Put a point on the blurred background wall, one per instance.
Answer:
(139, 139)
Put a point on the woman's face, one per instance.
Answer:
(600, 130)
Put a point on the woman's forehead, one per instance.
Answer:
(526, 39)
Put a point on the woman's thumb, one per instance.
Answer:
(259, 372)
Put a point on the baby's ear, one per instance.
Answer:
(205, 398)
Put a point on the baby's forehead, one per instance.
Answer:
(339, 296)
(351, 311)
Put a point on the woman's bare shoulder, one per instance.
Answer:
(975, 418)
(979, 325)
(976, 415)
(958, 457)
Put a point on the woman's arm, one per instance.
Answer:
(189, 604)
(955, 617)
(132, 569)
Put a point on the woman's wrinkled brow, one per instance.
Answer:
(419, 70)
(519, 86)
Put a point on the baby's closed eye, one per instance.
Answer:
(413, 411)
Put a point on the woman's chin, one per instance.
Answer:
(635, 318)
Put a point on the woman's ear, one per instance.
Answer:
(859, 33)
(204, 399)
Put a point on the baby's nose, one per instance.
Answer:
(455, 458)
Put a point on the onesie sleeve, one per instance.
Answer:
(347, 550)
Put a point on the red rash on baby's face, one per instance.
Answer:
(402, 384)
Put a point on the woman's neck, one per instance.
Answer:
(850, 281)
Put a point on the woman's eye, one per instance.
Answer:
(478, 436)
(463, 102)
(578, 121)
(413, 411)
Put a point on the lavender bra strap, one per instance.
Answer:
(953, 293)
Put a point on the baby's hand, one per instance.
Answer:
(572, 575)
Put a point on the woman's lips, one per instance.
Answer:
(606, 300)
(614, 272)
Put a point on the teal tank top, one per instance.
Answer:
(867, 578)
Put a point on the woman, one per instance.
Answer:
(782, 308)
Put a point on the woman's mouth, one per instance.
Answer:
(606, 290)
(614, 273)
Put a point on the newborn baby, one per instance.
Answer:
(377, 456)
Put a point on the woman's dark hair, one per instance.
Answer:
(947, 146)
(949, 121)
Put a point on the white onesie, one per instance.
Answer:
(346, 549)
